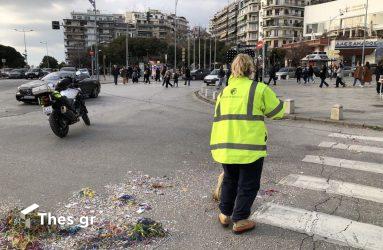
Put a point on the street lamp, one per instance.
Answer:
(93, 3)
(329, 26)
(364, 33)
(175, 35)
(46, 47)
(25, 44)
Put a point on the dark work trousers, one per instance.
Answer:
(272, 78)
(323, 81)
(339, 81)
(115, 79)
(240, 186)
(378, 87)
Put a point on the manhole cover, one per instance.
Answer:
(354, 111)
(378, 106)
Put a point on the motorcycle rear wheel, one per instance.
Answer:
(59, 127)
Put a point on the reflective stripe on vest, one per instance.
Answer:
(239, 146)
(276, 110)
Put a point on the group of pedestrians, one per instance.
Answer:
(157, 74)
(306, 73)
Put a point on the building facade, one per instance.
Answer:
(343, 23)
(246, 21)
(80, 31)
(155, 24)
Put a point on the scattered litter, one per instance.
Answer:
(143, 207)
(87, 193)
(267, 192)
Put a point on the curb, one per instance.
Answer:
(309, 119)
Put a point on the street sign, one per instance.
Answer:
(259, 44)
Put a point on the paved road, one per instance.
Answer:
(166, 132)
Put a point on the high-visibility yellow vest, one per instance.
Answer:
(239, 134)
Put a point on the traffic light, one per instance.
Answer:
(55, 25)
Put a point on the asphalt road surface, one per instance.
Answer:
(311, 168)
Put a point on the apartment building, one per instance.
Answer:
(223, 25)
(155, 24)
(248, 22)
(80, 31)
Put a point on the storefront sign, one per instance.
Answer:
(356, 44)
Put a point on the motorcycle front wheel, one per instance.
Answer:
(58, 126)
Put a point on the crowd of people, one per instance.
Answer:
(362, 75)
(155, 73)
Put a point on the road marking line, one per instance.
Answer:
(321, 226)
(343, 163)
(358, 148)
(356, 137)
(334, 187)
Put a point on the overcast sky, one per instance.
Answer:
(38, 14)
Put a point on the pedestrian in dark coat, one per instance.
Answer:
(116, 73)
(187, 76)
(323, 76)
(272, 75)
(298, 74)
(378, 74)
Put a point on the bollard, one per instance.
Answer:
(337, 112)
(287, 77)
(289, 106)
(206, 93)
(215, 94)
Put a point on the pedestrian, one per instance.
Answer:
(158, 74)
(228, 74)
(124, 75)
(147, 75)
(221, 77)
(305, 74)
(323, 76)
(298, 74)
(175, 77)
(238, 141)
(311, 74)
(163, 72)
(339, 76)
(135, 75)
(167, 77)
(367, 73)
(260, 73)
(187, 76)
(116, 73)
(272, 75)
(378, 74)
(358, 74)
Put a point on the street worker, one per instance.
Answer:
(238, 140)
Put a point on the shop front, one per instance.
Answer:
(351, 51)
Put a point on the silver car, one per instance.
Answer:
(286, 73)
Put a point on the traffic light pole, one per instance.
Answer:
(175, 36)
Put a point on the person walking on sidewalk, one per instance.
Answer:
(272, 74)
(323, 76)
(367, 73)
(167, 77)
(221, 77)
(238, 141)
(175, 77)
(358, 74)
(158, 74)
(147, 75)
(163, 72)
(115, 73)
(298, 74)
(378, 74)
(311, 74)
(305, 74)
(339, 76)
(187, 76)
(124, 75)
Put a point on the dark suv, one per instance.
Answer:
(34, 73)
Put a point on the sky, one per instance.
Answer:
(38, 14)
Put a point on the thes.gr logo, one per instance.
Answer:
(233, 91)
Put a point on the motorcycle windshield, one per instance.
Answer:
(70, 93)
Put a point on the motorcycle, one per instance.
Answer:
(63, 103)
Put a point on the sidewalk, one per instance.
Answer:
(362, 107)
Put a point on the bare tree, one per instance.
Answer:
(297, 52)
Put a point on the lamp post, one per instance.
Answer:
(175, 35)
(46, 47)
(127, 44)
(25, 43)
(329, 26)
(93, 3)
(364, 33)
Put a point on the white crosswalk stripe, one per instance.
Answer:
(334, 187)
(356, 137)
(343, 163)
(358, 148)
(330, 228)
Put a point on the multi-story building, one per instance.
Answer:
(155, 24)
(80, 31)
(282, 21)
(245, 21)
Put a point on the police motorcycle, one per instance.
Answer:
(63, 103)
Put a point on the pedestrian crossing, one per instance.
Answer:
(328, 227)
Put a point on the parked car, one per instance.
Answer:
(5, 72)
(347, 70)
(17, 74)
(71, 69)
(34, 73)
(286, 72)
(199, 74)
(90, 87)
(84, 71)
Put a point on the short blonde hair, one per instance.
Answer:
(242, 65)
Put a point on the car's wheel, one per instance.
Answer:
(95, 93)
(58, 126)
(86, 120)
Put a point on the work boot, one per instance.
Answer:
(224, 220)
(243, 226)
